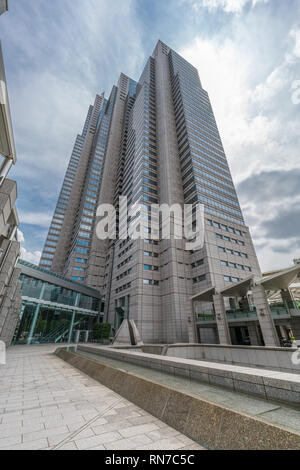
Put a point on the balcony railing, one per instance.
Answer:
(206, 317)
(278, 310)
(241, 315)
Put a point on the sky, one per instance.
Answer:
(59, 54)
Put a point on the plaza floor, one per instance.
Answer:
(47, 404)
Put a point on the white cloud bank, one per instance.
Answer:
(258, 122)
(30, 256)
(228, 6)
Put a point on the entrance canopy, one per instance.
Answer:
(238, 289)
(281, 280)
(205, 296)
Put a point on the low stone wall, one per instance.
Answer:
(267, 384)
(213, 426)
(257, 356)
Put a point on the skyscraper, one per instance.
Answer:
(154, 141)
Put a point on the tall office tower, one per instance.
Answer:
(10, 292)
(161, 146)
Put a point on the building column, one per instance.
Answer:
(86, 336)
(71, 326)
(264, 316)
(36, 314)
(253, 335)
(76, 339)
(33, 323)
(222, 323)
(192, 327)
(287, 298)
(76, 303)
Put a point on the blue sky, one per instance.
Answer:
(59, 54)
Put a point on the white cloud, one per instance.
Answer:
(258, 123)
(30, 256)
(35, 218)
(295, 34)
(229, 6)
(21, 238)
(251, 133)
(65, 59)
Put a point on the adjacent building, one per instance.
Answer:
(156, 141)
(54, 308)
(10, 295)
(3, 6)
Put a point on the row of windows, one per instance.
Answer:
(232, 252)
(212, 202)
(150, 282)
(231, 279)
(197, 263)
(199, 278)
(125, 250)
(46, 255)
(228, 239)
(150, 267)
(224, 216)
(125, 273)
(234, 265)
(83, 242)
(217, 195)
(205, 174)
(124, 287)
(125, 262)
(84, 234)
(225, 227)
(214, 186)
(48, 248)
(150, 253)
(81, 250)
(49, 263)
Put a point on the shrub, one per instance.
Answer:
(101, 330)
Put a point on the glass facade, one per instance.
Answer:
(53, 307)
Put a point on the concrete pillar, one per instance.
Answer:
(253, 335)
(264, 315)
(33, 323)
(192, 326)
(76, 339)
(222, 323)
(36, 314)
(287, 298)
(71, 327)
(295, 325)
(86, 336)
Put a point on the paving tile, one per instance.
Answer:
(97, 440)
(129, 444)
(33, 445)
(136, 430)
(45, 434)
(68, 446)
(10, 441)
(164, 444)
(45, 402)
